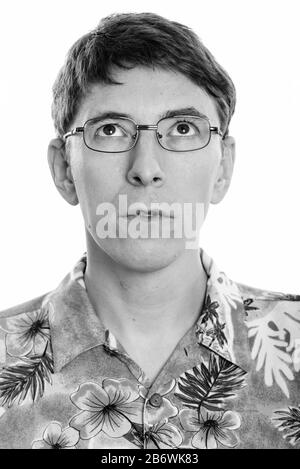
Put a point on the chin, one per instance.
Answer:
(143, 255)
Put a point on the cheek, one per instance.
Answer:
(196, 179)
(96, 183)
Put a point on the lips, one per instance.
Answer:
(149, 213)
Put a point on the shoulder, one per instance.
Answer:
(278, 311)
(22, 326)
(273, 325)
(24, 329)
(267, 295)
(27, 307)
(259, 303)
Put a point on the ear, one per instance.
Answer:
(61, 170)
(225, 170)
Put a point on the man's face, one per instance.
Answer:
(147, 173)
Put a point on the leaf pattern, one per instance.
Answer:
(210, 386)
(193, 406)
(28, 375)
(270, 350)
(210, 316)
(288, 326)
(289, 422)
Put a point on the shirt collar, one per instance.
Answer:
(75, 327)
(223, 305)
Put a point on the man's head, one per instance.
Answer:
(138, 39)
(142, 66)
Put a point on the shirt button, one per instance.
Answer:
(155, 400)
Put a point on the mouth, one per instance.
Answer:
(150, 214)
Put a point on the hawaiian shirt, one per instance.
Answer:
(232, 381)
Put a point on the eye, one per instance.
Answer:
(110, 130)
(182, 128)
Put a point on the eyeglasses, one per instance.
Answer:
(120, 134)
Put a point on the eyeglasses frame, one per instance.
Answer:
(139, 127)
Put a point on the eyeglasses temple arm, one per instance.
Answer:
(73, 132)
(216, 129)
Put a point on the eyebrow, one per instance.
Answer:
(190, 111)
(187, 111)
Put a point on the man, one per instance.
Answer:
(145, 343)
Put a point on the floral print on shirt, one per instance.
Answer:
(204, 406)
(55, 437)
(27, 334)
(212, 429)
(111, 408)
(28, 340)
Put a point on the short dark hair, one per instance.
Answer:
(127, 40)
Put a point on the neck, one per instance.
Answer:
(145, 305)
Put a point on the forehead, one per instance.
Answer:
(146, 94)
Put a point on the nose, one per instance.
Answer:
(145, 168)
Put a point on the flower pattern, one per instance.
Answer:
(27, 334)
(163, 435)
(55, 437)
(212, 429)
(111, 408)
(221, 369)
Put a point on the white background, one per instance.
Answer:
(253, 235)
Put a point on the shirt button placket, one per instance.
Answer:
(155, 400)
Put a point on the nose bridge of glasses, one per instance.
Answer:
(146, 127)
(138, 136)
